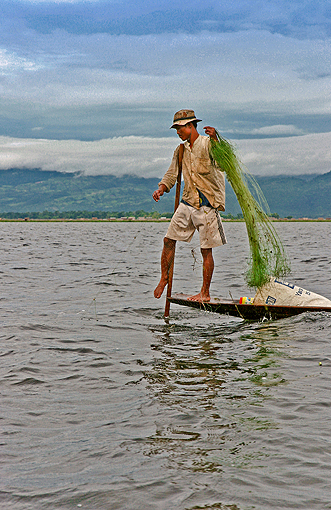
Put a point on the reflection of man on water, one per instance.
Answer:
(203, 195)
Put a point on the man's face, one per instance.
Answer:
(184, 132)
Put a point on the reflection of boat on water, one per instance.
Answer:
(246, 311)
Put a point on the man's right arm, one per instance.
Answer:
(159, 192)
(169, 179)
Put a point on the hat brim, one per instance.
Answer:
(183, 122)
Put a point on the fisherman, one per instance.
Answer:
(203, 196)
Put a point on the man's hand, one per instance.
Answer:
(159, 192)
(210, 131)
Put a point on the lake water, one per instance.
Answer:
(105, 406)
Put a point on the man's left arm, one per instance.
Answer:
(210, 131)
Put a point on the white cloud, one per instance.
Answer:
(277, 130)
(150, 157)
(294, 155)
(10, 62)
(146, 157)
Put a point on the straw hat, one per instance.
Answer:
(184, 117)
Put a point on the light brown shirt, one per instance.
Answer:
(200, 172)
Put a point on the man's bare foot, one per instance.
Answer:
(160, 288)
(201, 298)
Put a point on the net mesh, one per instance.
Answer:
(267, 254)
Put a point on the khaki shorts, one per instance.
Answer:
(205, 220)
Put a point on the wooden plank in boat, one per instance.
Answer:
(245, 311)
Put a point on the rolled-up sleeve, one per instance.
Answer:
(170, 177)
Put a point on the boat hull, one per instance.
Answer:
(245, 311)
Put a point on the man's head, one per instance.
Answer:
(185, 122)
(184, 117)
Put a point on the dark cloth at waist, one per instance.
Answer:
(203, 201)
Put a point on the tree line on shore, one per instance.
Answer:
(98, 215)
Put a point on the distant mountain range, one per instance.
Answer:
(23, 190)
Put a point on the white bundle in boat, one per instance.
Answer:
(277, 292)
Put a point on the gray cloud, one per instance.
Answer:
(233, 74)
(253, 69)
(298, 18)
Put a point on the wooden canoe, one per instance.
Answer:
(245, 311)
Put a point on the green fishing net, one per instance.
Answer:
(267, 254)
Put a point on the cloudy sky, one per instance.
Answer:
(92, 86)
